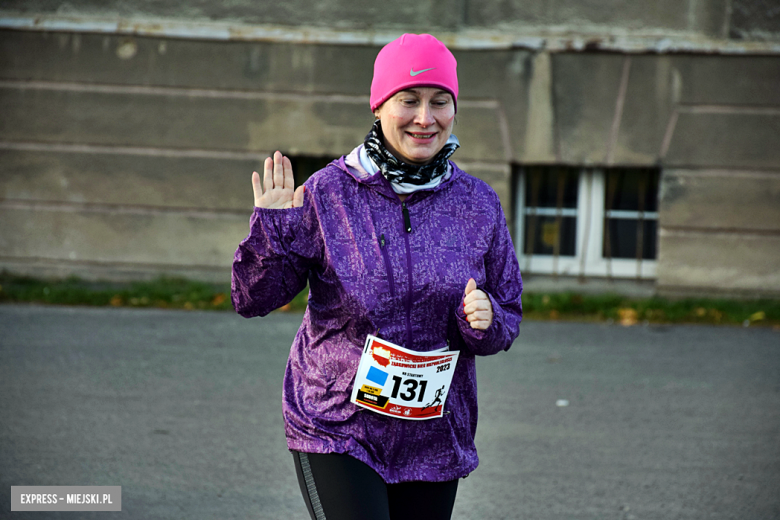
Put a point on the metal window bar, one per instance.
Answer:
(551, 212)
(631, 215)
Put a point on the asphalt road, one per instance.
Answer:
(183, 410)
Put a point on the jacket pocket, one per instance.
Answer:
(388, 266)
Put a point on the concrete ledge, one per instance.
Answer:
(726, 80)
(553, 38)
(252, 67)
(169, 239)
(115, 116)
(724, 262)
(631, 288)
(92, 177)
(110, 271)
(678, 292)
(215, 120)
(725, 137)
(720, 200)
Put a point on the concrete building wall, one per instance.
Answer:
(126, 156)
(124, 163)
(713, 125)
(720, 195)
(709, 17)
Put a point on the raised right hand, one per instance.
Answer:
(279, 184)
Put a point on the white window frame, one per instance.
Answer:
(588, 259)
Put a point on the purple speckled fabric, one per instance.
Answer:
(367, 274)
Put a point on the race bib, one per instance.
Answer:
(402, 383)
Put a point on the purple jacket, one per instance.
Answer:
(368, 275)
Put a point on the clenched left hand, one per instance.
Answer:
(477, 307)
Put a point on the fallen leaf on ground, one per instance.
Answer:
(628, 317)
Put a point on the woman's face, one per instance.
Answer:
(417, 123)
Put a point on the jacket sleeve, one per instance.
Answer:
(271, 265)
(504, 286)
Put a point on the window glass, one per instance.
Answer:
(630, 210)
(632, 189)
(544, 233)
(551, 187)
(551, 211)
(623, 236)
(587, 221)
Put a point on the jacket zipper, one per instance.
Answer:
(408, 227)
(388, 266)
(407, 220)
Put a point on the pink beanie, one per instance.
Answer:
(413, 60)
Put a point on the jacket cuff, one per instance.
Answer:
(274, 228)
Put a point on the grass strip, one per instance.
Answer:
(179, 293)
(631, 311)
(167, 293)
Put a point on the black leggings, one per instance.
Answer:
(340, 487)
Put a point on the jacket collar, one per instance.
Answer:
(351, 165)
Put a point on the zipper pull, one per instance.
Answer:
(407, 221)
(382, 240)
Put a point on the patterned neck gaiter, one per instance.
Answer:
(401, 173)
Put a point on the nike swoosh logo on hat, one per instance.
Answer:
(413, 73)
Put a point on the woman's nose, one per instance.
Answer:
(424, 117)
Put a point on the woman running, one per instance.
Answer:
(401, 248)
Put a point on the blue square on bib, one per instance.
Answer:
(376, 376)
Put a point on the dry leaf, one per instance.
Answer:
(628, 317)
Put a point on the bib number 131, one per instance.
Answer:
(403, 383)
(410, 391)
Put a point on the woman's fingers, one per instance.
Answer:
(479, 316)
(480, 325)
(478, 309)
(278, 170)
(298, 197)
(289, 180)
(477, 305)
(257, 187)
(475, 295)
(276, 191)
(297, 200)
(268, 174)
(480, 320)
